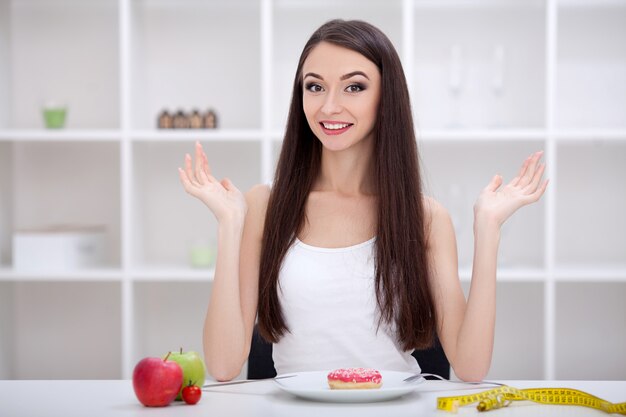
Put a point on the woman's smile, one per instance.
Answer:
(335, 128)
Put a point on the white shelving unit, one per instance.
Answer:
(491, 81)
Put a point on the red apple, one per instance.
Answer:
(157, 381)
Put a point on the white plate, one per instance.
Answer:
(314, 386)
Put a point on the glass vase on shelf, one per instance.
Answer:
(455, 85)
(497, 85)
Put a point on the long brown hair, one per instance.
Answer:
(401, 275)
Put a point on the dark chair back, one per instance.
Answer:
(261, 364)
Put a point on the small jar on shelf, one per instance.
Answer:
(165, 120)
(210, 120)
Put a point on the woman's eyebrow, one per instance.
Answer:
(343, 77)
(312, 74)
(352, 74)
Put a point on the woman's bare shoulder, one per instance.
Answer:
(436, 215)
(432, 207)
(258, 194)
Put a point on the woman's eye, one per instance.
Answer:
(355, 88)
(314, 88)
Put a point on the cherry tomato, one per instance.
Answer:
(192, 394)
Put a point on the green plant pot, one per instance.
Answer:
(54, 117)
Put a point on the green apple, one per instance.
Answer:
(192, 366)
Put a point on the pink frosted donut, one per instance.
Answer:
(354, 378)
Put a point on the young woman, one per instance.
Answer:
(343, 259)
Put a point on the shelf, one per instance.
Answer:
(572, 135)
(172, 274)
(516, 275)
(475, 4)
(147, 274)
(61, 135)
(591, 274)
(112, 274)
(587, 5)
(339, 6)
(191, 135)
(116, 135)
(472, 135)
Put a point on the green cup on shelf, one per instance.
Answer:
(54, 115)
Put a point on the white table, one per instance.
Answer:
(116, 398)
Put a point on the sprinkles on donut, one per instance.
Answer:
(354, 378)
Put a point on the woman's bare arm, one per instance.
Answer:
(232, 306)
(466, 329)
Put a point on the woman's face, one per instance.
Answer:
(341, 95)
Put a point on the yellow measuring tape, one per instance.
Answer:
(503, 396)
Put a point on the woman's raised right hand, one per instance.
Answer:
(222, 197)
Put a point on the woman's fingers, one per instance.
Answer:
(200, 173)
(197, 179)
(207, 171)
(199, 163)
(184, 179)
(542, 189)
(496, 181)
(205, 164)
(206, 179)
(536, 195)
(203, 161)
(190, 174)
(530, 171)
(228, 185)
(515, 181)
(534, 183)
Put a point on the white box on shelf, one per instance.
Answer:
(59, 249)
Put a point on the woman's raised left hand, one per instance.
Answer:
(495, 204)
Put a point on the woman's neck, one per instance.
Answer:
(349, 172)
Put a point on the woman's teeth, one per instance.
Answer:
(336, 126)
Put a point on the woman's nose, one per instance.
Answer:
(331, 104)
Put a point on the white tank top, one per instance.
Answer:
(329, 304)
